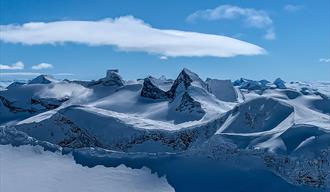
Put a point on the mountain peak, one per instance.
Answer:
(113, 78)
(186, 77)
(193, 76)
(151, 89)
(43, 79)
(15, 84)
(279, 83)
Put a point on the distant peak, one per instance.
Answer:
(186, 70)
(163, 77)
(279, 83)
(188, 73)
(15, 84)
(186, 77)
(279, 80)
(43, 79)
(113, 70)
(113, 78)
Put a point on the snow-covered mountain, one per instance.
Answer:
(282, 128)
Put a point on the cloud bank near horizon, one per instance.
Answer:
(128, 34)
(33, 74)
(16, 66)
(19, 65)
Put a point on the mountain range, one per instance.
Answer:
(276, 132)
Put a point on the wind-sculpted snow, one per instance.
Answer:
(278, 131)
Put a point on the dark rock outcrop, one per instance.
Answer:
(188, 104)
(150, 90)
(186, 77)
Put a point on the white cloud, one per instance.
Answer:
(33, 74)
(252, 17)
(324, 60)
(16, 66)
(292, 8)
(42, 66)
(20, 74)
(270, 34)
(163, 57)
(129, 34)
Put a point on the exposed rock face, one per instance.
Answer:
(12, 108)
(150, 90)
(250, 84)
(34, 105)
(76, 137)
(280, 83)
(186, 77)
(189, 105)
(312, 172)
(260, 114)
(259, 85)
(113, 78)
(178, 91)
(48, 103)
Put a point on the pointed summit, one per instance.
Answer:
(112, 78)
(279, 83)
(186, 77)
(15, 84)
(43, 79)
(189, 105)
(151, 89)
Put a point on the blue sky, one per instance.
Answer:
(297, 46)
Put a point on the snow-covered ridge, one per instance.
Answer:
(215, 118)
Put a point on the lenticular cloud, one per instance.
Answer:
(129, 34)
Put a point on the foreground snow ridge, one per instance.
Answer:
(31, 169)
(278, 130)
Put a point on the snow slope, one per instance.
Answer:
(222, 89)
(31, 169)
